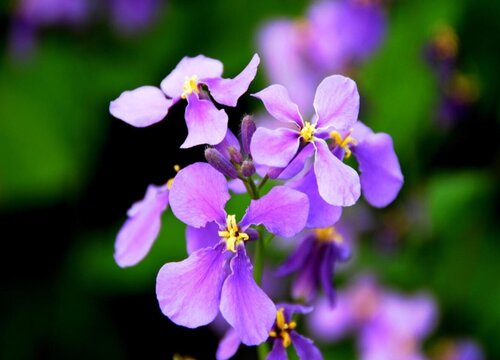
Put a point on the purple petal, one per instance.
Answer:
(298, 258)
(189, 291)
(228, 91)
(306, 282)
(243, 303)
(381, 177)
(326, 271)
(141, 229)
(199, 238)
(141, 107)
(328, 323)
(201, 66)
(306, 350)
(360, 132)
(299, 163)
(206, 124)
(229, 142)
(279, 104)
(278, 352)
(338, 184)
(198, 195)
(274, 147)
(228, 346)
(291, 309)
(282, 211)
(336, 103)
(237, 186)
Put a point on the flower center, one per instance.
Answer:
(283, 328)
(170, 181)
(344, 143)
(232, 234)
(190, 86)
(328, 234)
(307, 132)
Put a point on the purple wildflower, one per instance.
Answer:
(218, 273)
(206, 124)
(133, 15)
(314, 262)
(337, 104)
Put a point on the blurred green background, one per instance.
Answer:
(69, 171)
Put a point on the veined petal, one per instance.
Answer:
(228, 91)
(200, 66)
(206, 124)
(336, 103)
(141, 107)
(279, 105)
(274, 147)
(381, 177)
(199, 194)
(228, 346)
(243, 303)
(199, 238)
(189, 291)
(282, 211)
(278, 352)
(306, 350)
(338, 184)
(141, 229)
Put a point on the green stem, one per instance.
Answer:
(264, 180)
(262, 351)
(254, 188)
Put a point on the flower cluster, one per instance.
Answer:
(297, 179)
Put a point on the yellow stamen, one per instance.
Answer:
(307, 132)
(190, 86)
(343, 142)
(170, 181)
(232, 234)
(283, 328)
(328, 234)
(446, 42)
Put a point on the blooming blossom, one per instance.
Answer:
(218, 273)
(189, 80)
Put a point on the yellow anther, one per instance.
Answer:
(170, 181)
(328, 234)
(446, 42)
(190, 86)
(307, 132)
(232, 234)
(283, 328)
(287, 340)
(344, 143)
(280, 319)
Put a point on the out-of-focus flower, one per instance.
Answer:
(130, 16)
(458, 349)
(147, 105)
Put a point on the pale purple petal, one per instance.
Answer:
(141, 229)
(291, 309)
(381, 177)
(279, 104)
(199, 238)
(228, 346)
(199, 194)
(243, 303)
(237, 186)
(200, 66)
(299, 163)
(189, 291)
(141, 107)
(229, 141)
(360, 132)
(305, 347)
(336, 103)
(327, 323)
(206, 124)
(274, 147)
(338, 184)
(228, 91)
(278, 352)
(282, 211)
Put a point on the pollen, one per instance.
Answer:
(307, 132)
(170, 181)
(328, 234)
(283, 328)
(344, 143)
(232, 234)
(190, 86)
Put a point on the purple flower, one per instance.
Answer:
(337, 104)
(218, 273)
(133, 15)
(314, 262)
(206, 124)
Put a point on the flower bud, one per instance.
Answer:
(220, 163)
(235, 155)
(247, 168)
(248, 127)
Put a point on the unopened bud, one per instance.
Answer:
(252, 234)
(247, 168)
(248, 127)
(235, 155)
(220, 163)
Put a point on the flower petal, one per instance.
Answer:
(306, 350)
(200, 66)
(206, 124)
(326, 270)
(329, 324)
(291, 309)
(278, 352)
(279, 105)
(300, 162)
(228, 91)
(298, 258)
(199, 238)
(199, 194)
(381, 177)
(283, 211)
(228, 346)
(274, 147)
(338, 184)
(243, 303)
(189, 291)
(336, 103)
(229, 141)
(141, 107)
